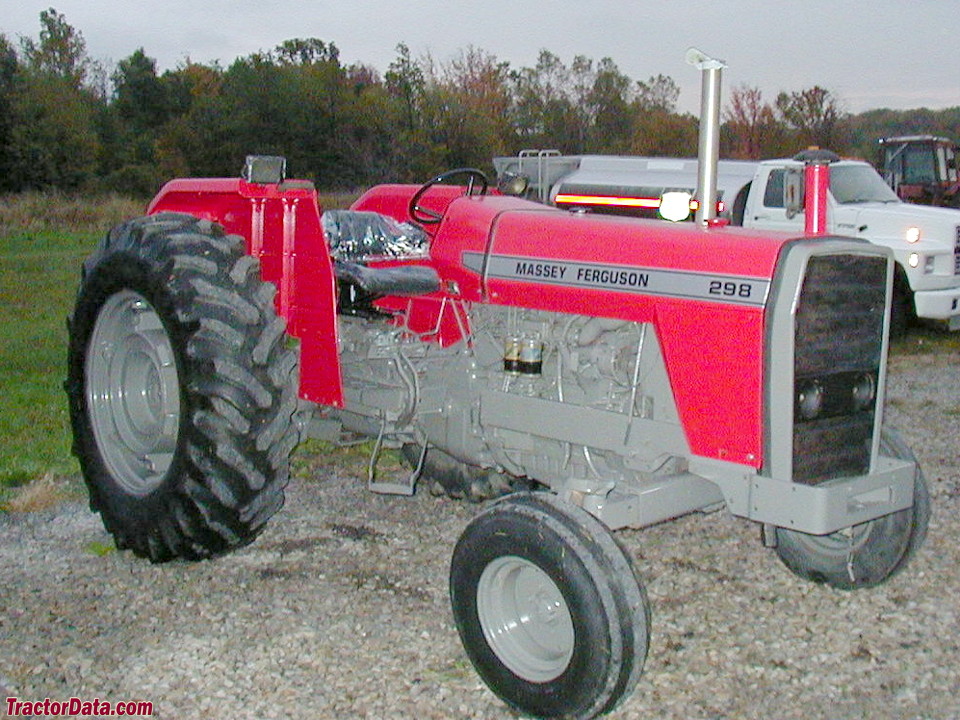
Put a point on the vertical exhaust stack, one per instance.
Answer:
(709, 153)
(816, 175)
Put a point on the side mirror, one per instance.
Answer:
(793, 184)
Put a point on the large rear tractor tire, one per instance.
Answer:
(867, 554)
(549, 608)
(182, 389)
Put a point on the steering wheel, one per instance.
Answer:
(477, 184)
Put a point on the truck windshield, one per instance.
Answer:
(859, 184)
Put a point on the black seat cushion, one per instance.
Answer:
(407, 280)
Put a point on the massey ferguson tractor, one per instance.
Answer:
(582, 373)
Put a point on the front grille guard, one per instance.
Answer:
(827, 327)
(842, 492)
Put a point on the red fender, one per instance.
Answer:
(281, 226)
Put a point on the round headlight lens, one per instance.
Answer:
(864, 392)
(810, 399)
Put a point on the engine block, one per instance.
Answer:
(480, 399)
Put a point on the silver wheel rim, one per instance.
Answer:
(525, 619)
(133, 392)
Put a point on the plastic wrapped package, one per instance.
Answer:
(357, 236)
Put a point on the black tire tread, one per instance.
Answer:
(898, 535)
(238, 385)
(632, 602)
(623, 598)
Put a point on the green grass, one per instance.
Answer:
(38, 278)
(926, 341)
(43, 240)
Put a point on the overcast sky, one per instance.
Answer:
(899, 54)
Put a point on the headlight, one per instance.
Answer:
(913, 235)
(513, 184)
(809, 399)
(914, 260)
(675, 206)
(834, 395)
(864, 392)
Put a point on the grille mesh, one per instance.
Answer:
(839, 334)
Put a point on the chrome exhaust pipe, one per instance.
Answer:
(709, 151)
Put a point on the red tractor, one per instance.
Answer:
(922, 169)
(587, 372)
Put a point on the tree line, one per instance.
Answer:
(68, 122)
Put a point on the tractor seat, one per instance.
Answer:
(356, 237)
(406, 280)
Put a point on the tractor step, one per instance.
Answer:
(393, 487)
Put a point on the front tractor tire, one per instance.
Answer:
(181, 388)
(868, 554)
(549, 608)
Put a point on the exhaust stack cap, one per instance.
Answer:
(817, 156)
(702, 61)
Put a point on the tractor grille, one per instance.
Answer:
(839, 336)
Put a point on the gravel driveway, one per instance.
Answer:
(340, 609)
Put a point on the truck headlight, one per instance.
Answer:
(913, 235)
(914, 260)
(675, 206)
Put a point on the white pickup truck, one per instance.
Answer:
(925, 240)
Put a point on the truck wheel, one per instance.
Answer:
(458, 480)
(549, 607)
(181, 389)
(868, 554)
